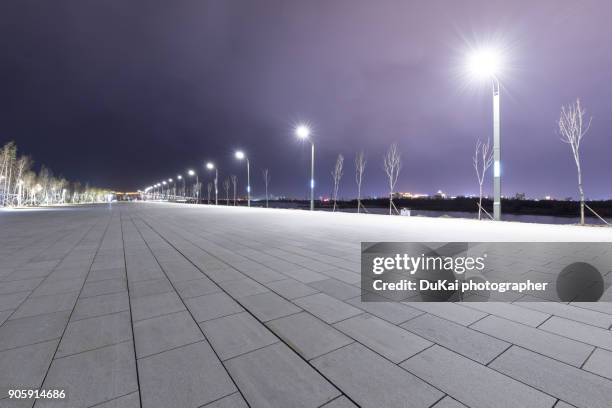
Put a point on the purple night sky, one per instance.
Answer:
(125, 93)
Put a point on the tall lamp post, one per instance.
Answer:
(163, 184)
(486, 64)
(170, 181)
(211, 166)
(240, 156)
(197, 194)
(303, 132)
(180, 177)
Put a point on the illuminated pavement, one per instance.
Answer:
(161, 305)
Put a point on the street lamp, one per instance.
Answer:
(486, 64)
(211, 166)
(193, 173)
(303, 132)
(240, 156)
(163, 184)
(169, 181)
(180, 177)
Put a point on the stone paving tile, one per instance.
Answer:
(189, 376)
(263, 275)
(196, 287)
(12, 301)
(104, 274)
(59, 286)
(127, 401)
(393, 312)
(165, 332)
(231, 401)
(236, 334)
(95, 332)
(551, 345)
(103, 287)
(350, 369)
(7, 288)
(224, 274)
(30, 330)
(327, 308)
(304, 275)
(555, 378)
(34, 306)
(290, 288)
(239, 288)
(149, 287)
(101, 305)
(579, 331)
(449, 311)
(274, 376)
(212, 306)
(307, 335)
(149, 306)
(561, 404)
(511, 312)
(386, 339)
(92, 377)
(336, 288)
(465, 341)
(600, 362)
(268, 306)
(25, 367)
(472, 384)
(570, 312)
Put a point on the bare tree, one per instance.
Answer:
(234, 183)
(572, 128)
(482, 160)
(337, 173)
(360, 163)
(266, 177)
(392, 163)
(210, 186)
(226, 186)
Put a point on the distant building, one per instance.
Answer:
(519, 196)
(440, 195)
(408, 195)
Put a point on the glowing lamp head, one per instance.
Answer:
(210, 166)
(191, 172)
(240, 155)
(164, 183)
(484, 63)
(170, 180)
(302, 131)
(179, 177)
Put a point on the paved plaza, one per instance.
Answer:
(169, 305)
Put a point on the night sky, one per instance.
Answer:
(124, 93)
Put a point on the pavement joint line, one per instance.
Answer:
(127, 285)
(161, 315)
(252, 315)
(92, 349)
(587, 359)
(170, 349)
(184, 304)
(108, 223)
(101, 315)
(440, 399)
(112, 399)
(102, 294)
(252, 351)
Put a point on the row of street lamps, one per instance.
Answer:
(483, 63)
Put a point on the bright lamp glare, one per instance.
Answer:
(210, 166)
(169, 180)
(484, 63)
(179, 177)
(191, 172)
(240, 155)
(302, 131)
(164, 183)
